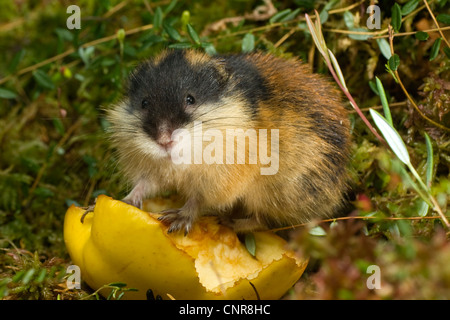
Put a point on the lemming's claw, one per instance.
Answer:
(176, 220)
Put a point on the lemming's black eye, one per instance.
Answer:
(145, 104)
(190, 100)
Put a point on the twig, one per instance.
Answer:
(116, 8)
(354, 218)
(354, 104)
(262, 12)
(285, 37)
(410, 33)
(70, 51)
(435, 22)
(368, 33)
(348, 8)
(391, 105)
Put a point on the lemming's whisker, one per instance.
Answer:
(207, 111)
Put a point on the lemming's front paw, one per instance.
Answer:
(177, 220)
(133, 201)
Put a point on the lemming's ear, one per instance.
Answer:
(220, 66)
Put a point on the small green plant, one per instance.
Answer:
(31, 279)
(118, 289)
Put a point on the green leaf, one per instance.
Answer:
(85, 54)
(385, 49)
(250, 243)
(423, 209)
(28, 275)
(435, 49)
(171, 31)
(158, 19)
(248, 43)
(394, 62)
(291, 16)
(112, 294)
(209, 48)
(41, 276)
(318, 231)
(323, 16)
(349, 19)
(279, 15)
(373, 86)
(409, 7)
(410, 182)
(18, 276)
(64, 34)
(43, 192)
(16, 60)
(117, 284)
(193, 34)
(59, 126)
(447, 52)
(422, 36)
(392, 137)
(396, 17)
(120, 296)
(324, 13)
(7, 94)
(181, 45)
(384, 102)
(170, 7)
(69, 202)
(43, 79)
(444, 18)
(98, 192)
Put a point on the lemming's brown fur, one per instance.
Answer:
(313, 144)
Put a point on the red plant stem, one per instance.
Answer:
(354, 104)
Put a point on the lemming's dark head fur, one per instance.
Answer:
(166, 91)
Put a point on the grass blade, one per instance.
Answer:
(314, 35)
(384, 102)
(424, 207)
(392, 137)
(430, 160)
(337, 69)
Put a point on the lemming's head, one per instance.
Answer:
(174, 89)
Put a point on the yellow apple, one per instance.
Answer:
(121, 243)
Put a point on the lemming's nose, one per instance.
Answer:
(165, 140)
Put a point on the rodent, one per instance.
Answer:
(179, 89)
